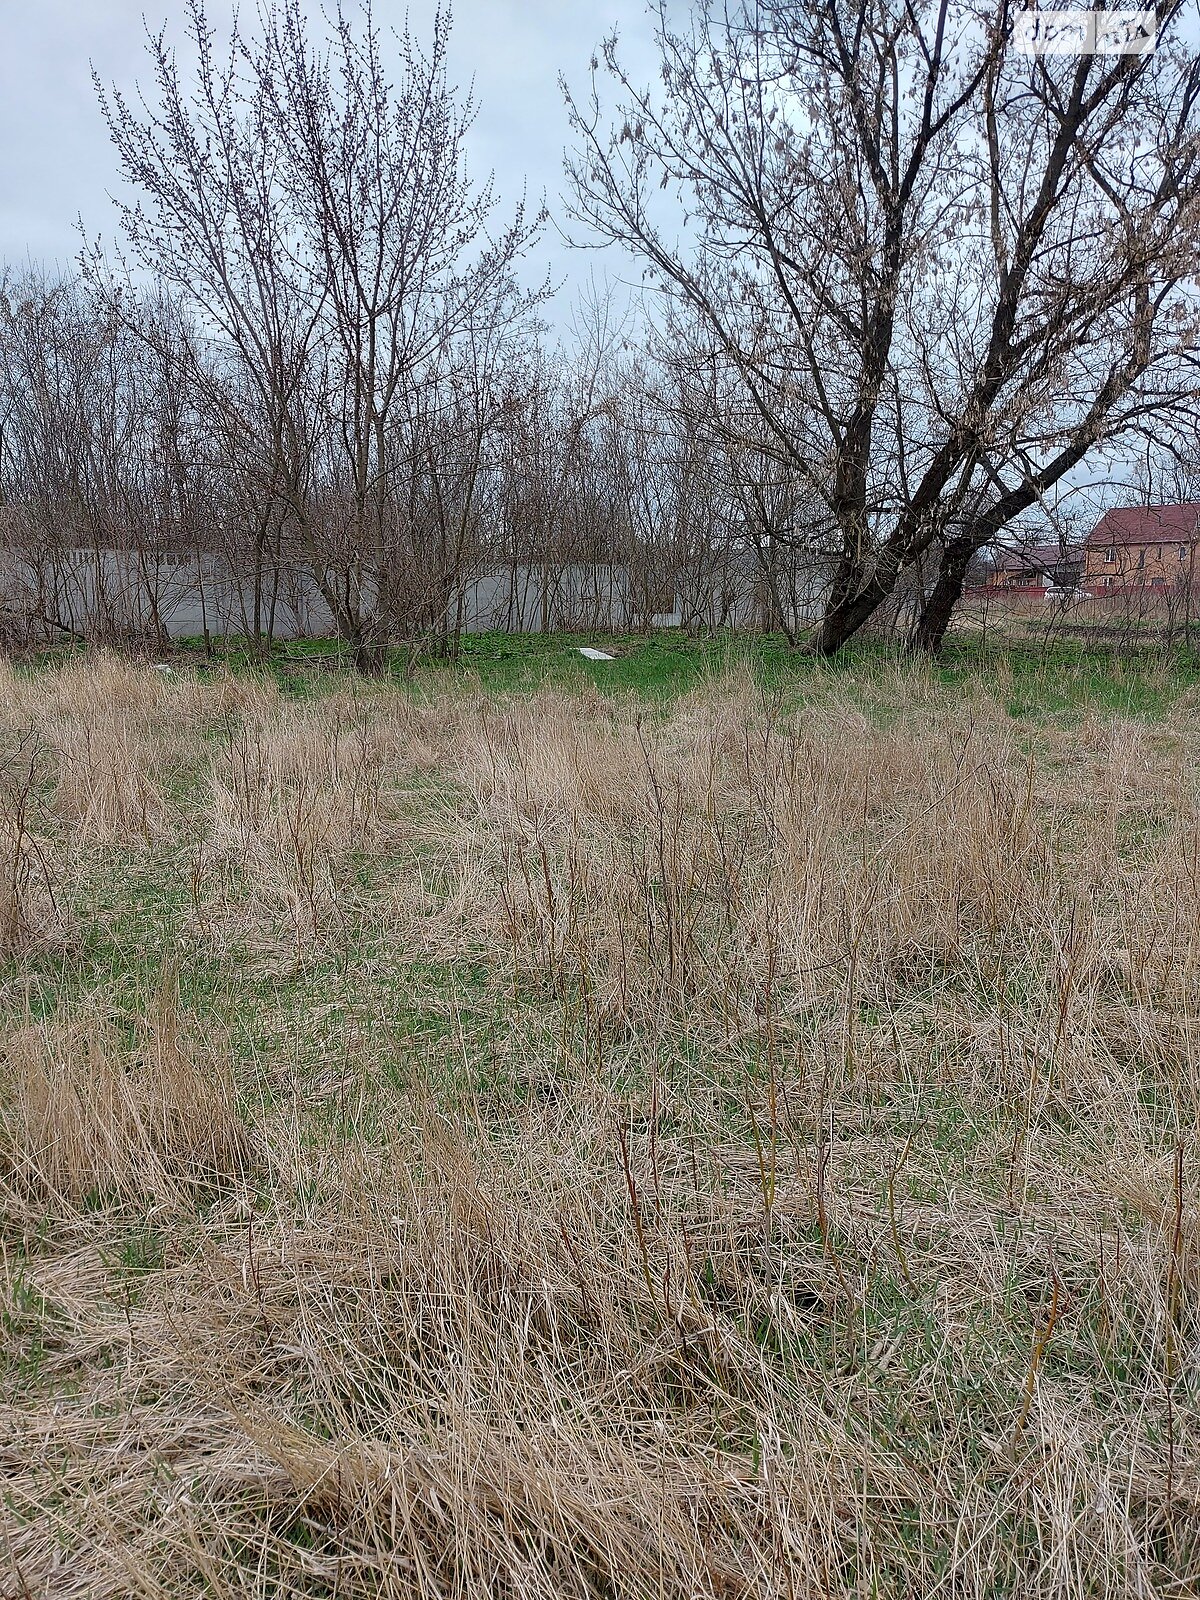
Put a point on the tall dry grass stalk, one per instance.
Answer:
(86, 1120)
(790, 1187)
(30, 911)
(294, 797)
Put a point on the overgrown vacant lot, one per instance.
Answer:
(556, 1143)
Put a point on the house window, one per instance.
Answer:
(1108, 583)
(1110, 555)
(1141, 559)
(1182, 554)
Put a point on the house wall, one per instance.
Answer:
(1156, 566)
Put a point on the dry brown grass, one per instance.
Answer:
(746, 1150)
(84, 1120)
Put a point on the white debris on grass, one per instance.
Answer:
(161, 666)
(594, 655)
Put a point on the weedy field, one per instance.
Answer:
(726, 1128)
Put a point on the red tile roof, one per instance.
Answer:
(1147, 525)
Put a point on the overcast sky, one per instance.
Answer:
(56, 163)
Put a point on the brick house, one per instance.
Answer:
(1033, 572)
(1145, 551)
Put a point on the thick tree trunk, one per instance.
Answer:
(370, 656)
(850, 605)
(840, 623)
(947, 590)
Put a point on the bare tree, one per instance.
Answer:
(105, 466)
(318, 220)
(398, 240)
(213, 225)
(932, 264)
